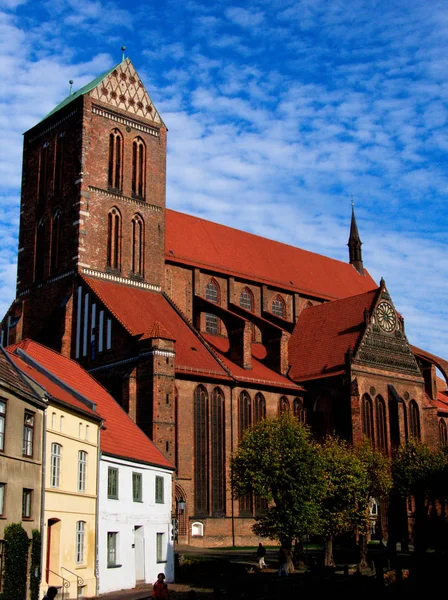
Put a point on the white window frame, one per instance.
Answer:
(82, 470)
(161, 549)
(80, 541)
(2, 423)
(55, 466)
(160, 490)
(112, 548)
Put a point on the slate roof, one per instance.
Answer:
(10, 376)
(323, 334)
(121, 436)
(196, 242)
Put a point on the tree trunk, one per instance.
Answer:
(328, 555)
(363, 550)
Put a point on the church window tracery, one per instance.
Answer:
(367, 417)
(212, 294)
(247, 302)
(278, 306)
(115, 160)
(259, 408)
(138, 245)
(218, 452)
(414, 419)
(299, 410)
(41, 245)
(283, 405)
(59, 167)
(443, 436)
(201, 464)
(381, 426)
(44, 171)
(55, 241)
(114, 238)
(138, 167)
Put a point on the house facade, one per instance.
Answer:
(108, 494)
(196, 329)
(22, 415)
(69, 531)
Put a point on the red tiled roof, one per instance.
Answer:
(121, 436)
(259, 373)
(139, 310)
(159, 331)
(324, 333)
(194, 241)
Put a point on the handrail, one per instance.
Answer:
(79, 580)
(65, 582)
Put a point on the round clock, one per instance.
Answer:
(386, 316)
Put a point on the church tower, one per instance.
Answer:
(93, 199)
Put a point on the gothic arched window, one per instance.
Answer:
(113, 238)
(218, 452)
(247, 302)
(138, 167)
(55, 240)
(244, 422)
(115, 160)
(278, 306)
(201, 465)
(212, 294)
(259, 408)
(283, 405)
(299, 411)
(414, 419)
(41, 246)
(367, 417)
(381, 426)
(244, 412)
(44, 170)
(443, 437)
(247, 299)
(59, 168)
(138, 245)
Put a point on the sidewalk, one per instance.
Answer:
(145, 592)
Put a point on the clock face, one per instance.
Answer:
(386, 316)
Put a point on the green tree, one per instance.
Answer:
(378, 468)
(344, 507)
(419, 471)
(277, 460)
(16, 558)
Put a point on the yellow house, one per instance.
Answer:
(71, 467)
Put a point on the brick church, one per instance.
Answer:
(199, 330)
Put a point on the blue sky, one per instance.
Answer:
(278, 112)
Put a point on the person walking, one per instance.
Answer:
(282, 562)
(52, 592)
(160, 588)
(261, 553)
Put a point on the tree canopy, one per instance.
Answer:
(278, 461)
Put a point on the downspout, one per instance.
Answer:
(42, 491)
(97, 515)
(231, 447)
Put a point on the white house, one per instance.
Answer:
(134, 523)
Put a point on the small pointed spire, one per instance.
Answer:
(123, 48)
(354, 244)
(71, 83)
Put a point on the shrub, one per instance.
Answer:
(16, 559)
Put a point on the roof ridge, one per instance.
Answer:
(33, 362)
(19, 373)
